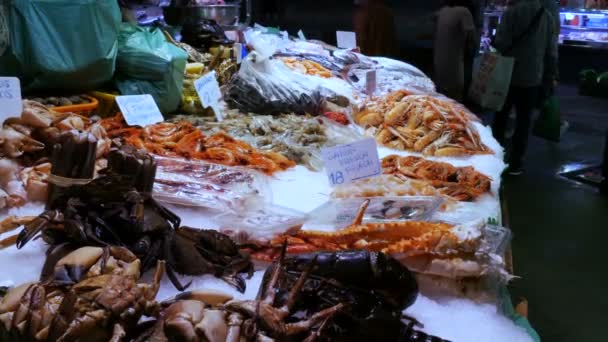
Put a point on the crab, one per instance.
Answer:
(209, 316)
(91, 294)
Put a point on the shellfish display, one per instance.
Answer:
(422, 123)
(183, 139)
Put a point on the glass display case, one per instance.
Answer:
(584, 27)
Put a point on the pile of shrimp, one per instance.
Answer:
(182, 139)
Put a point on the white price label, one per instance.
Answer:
(238, 52)
(301, 35)
(10, 98)
(346, 39)
(208, 91)
(370, 82)
(139, 110)
(350, 162)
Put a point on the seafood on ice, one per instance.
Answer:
(459, 183)
(427, 247)
(89, 294)
(116, 209)
(342, 296)
(411, 176)
(298, 137)
(183, 139)
(421, 123)
(27, 140)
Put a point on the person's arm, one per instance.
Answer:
(468, 28)
(551, 52)
(504, 32)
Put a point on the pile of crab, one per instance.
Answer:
(26, 145)
(95, 294)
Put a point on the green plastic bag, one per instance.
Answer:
(62, 43)
(548, 124)
(148, 64)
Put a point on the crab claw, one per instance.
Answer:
(73, 267)
(36, 115)
(209, 297)
(14, 144)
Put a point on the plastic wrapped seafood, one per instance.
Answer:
(260, 225)
(339, 213)
(385, 185)
(199, 183)
(307, 67)
(471, 250)
(268, 86)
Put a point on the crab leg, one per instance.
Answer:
(9, 241)
(299, 327)
(291, 299)
(315, 334)
(13, 222)
(359, 218)
(270, 288)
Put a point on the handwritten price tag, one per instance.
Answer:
(10, 98)
(139, 110)
(208, 91)
(346, 39)
(350, 162)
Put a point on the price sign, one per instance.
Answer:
(139, 110)
(10, 98)
(301, 35)
(350, 162)
(208, 91)
(346, 39)
(370, 82)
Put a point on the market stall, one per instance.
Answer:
(265, 186)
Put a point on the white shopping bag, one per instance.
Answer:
(491, 81)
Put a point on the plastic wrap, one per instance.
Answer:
(339, 213)
(385, 185)
(260, 225)
(268, 86)
(478, 255)
(202, 184)
(60, 44)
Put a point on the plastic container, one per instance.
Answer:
(261, 225)
(84, 109)
(340, 213)
(107, 103)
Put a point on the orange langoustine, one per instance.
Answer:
(182, 139)
(459, 183)
(422, 123)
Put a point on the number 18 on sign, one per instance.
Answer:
(350, 162)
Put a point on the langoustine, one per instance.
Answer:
(422, 123)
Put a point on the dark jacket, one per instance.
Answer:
(536, 53)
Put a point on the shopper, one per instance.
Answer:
(525, 33)
(374, 24)
(476, 7)
(454, 37)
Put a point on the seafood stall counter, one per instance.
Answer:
(192, 229)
